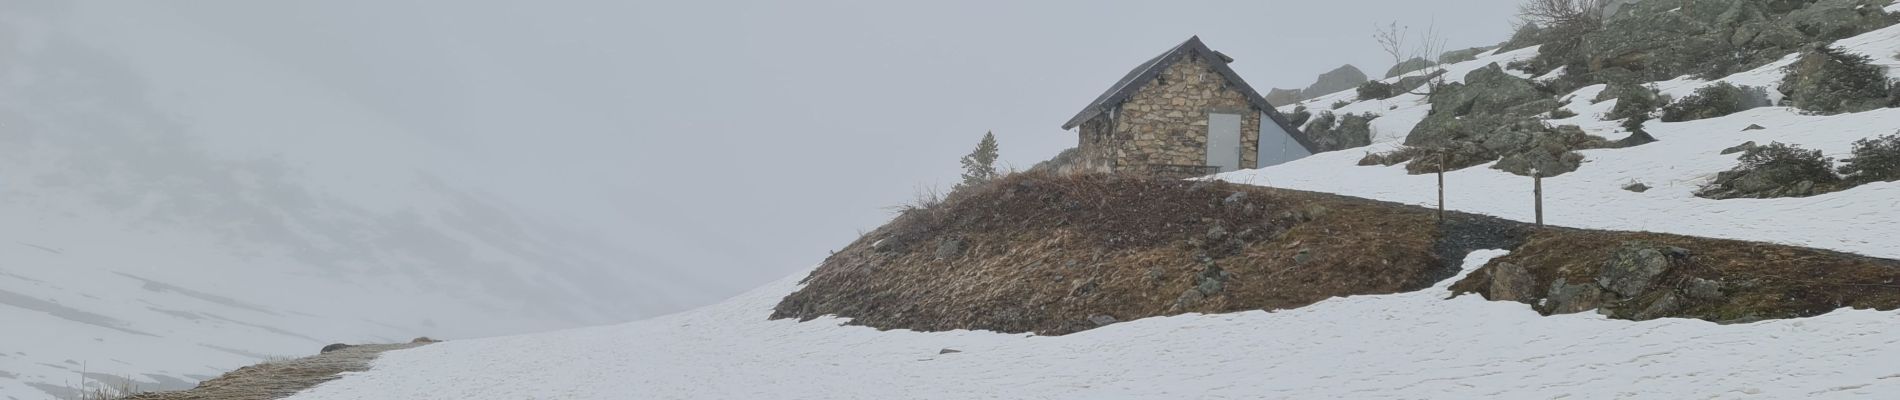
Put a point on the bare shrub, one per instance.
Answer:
(1563, 13)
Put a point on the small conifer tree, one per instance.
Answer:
(980, 165)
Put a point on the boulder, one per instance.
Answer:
(1549, 152)
(1745, 146)
(1703, 289)
(1829, 20)
(1331, 132)
(1412, 83)
(1566, 298)
(1632, 269)
(1637, 187)
(1490, 94)
(1407, 66)
(1458, 56)
(1511, 282)
(334, 347)
(1663, 306)
(1338, 80)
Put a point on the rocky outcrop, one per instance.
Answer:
(1649, 41)
(1641, 276)
(1338, 80)
(1491, 116)
(1826, 80)
(1634, 267)
(1540, 149)
(1487, 93)
(1334, 132)
(1458, 56)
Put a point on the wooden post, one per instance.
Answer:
(1441, 187)
(1537, 190)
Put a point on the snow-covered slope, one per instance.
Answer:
(1411, 345)
(1404, 346)
(171, 209)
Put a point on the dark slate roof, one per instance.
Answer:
(1147, 72)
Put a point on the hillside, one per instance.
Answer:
(1326, 277)
(165, 223)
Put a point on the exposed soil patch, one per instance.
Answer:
(1640, 275)
(1060, 254)
(279, 379)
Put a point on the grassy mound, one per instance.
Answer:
(1059, 254)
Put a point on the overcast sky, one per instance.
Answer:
(751, 137)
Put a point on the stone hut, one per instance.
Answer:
(1184, 113)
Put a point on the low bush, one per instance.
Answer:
(1633, 101)
(1805, 164)
(1714, 101)
(1829, 80)
(1299, 116)
(1873, 160)
(1376, 90)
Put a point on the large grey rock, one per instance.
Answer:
(1567, 298)
(1662, 307)
(1828, 20)
(1745, 146)
(1703, 289)
(1407, 66)
(1411, 84)
(1489, 93)
(1463, 55)
(1549, 152)
(1338, 80)
(1632, 269)
(1511, 282)
(1331, 132)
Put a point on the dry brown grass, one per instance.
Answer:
(1043, 253)
(279, 379)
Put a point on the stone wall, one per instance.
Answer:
(1165, 122)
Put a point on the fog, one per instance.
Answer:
(740, 141)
